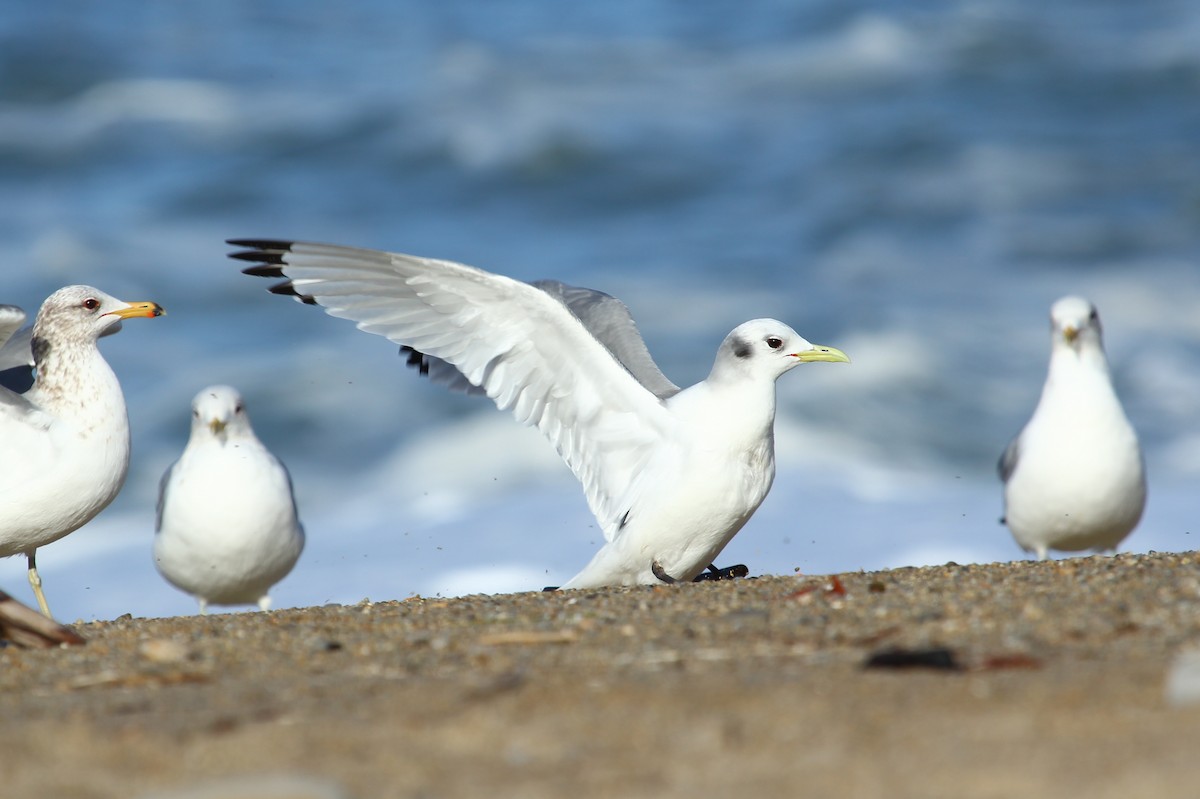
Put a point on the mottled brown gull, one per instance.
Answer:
(66, 440)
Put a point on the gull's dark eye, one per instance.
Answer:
(1094, 315)
(239, 409)
(91, 303)
(774, 342)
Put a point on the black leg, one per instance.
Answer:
(661, 573)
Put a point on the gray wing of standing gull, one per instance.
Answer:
(604, 316)
(1008, 461)
(16, 359)
(164, 485)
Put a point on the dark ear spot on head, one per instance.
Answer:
(40, 347)
(741, 348)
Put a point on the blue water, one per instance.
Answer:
(914, 184)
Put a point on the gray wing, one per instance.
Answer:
(162, 496)
(610, 322)
(605, 317)
(291, 493)
(15, 349)
(1008, 461)
(16, 358)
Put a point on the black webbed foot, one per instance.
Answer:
(550, 588)
(728, 573)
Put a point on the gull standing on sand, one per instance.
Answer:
(1074, 478)
(671, 475)
(66, 440)
(227, 527)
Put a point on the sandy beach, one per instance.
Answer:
(1030, 679)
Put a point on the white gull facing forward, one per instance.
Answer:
(227, 527)
(66, 439)
(1073, 478)
(671, 475)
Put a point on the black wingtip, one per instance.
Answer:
(259, 256)
(267, 257)
(287, 289)
(262, 252)
(264, 270)
(261, 244)
(415, 359)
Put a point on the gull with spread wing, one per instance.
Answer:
(671, 475)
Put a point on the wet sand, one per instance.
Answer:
(752, 687)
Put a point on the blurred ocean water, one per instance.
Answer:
(914, 185)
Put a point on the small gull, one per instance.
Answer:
(67, 438)
(1073, 478)
(227, 526)
(671, 475)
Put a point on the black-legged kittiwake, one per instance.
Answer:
(671, 475)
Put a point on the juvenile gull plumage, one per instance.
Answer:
(66, 439)
(1073, 478)
(227, 527)
(670, 480)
